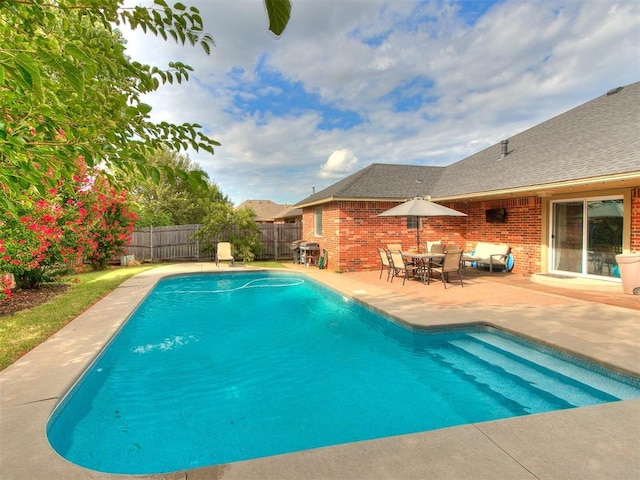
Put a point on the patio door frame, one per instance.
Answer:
(585, 254)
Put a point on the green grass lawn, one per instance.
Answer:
(269, 264)
(26, 329)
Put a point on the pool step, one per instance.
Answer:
(510, 387)
(534, 388)
(542, 379)
(577, 373)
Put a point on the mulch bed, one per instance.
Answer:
(23, 299)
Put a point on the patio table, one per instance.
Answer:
(423, 259)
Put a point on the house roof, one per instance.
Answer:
(265, 210)
(288, 212)
(596, 140)
(378, 181)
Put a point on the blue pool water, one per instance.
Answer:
(218, 368)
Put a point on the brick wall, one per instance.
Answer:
(635, 219)
(522, 230)
(352, 241)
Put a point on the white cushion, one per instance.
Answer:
(485, 250)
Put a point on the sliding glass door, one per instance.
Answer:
(586, 235)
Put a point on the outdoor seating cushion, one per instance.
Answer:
(484, 250)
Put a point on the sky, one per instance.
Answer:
(355, 82)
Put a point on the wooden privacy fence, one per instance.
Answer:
(178, 242)
(276, 240)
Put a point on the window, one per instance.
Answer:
(317, 222)
(412, 223)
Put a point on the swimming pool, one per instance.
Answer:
(219, 379)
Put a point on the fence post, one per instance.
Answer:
(151, 243)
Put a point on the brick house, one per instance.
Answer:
(565, 195)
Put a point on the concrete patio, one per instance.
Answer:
(596, 322)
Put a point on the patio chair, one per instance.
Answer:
(223, 253)
(430, 244)
(450, 264)
(392, 247)
(437, 248)
(402, 264)
(384, 262)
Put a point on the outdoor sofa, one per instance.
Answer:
(492, 254)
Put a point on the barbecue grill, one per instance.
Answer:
(305, 252)
(295, 248)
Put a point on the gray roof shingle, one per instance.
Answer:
(598, 138)
(382, 181)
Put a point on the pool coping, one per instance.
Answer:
(585, 443)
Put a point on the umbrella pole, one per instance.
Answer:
(419, 225)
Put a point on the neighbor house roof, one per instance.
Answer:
(288, 212)
(265, 210)
(596, 141)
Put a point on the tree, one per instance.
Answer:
(171, 200)
(37, 244)
(53, 234)
(111, 221)
(235, 226)
(68, 90)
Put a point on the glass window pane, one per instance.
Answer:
(604, 241)
(317, 225)
(568, 236)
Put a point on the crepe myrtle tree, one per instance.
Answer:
(45, 236)
(68, 89)
(56, 233)
(224, 223)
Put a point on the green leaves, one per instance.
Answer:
(177, 198)
(176, 22)
(279, 12)
(68, 89)
(29, 74)
(74, 76)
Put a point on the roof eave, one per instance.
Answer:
(623, 180)
(331, 199)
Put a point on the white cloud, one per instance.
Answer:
(338, 164)
(487, 78)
